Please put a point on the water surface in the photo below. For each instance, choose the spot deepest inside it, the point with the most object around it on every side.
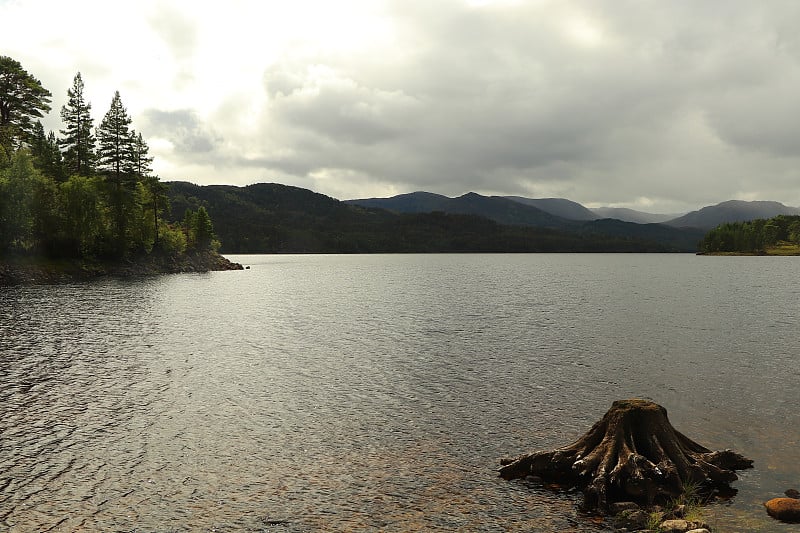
(378, 392)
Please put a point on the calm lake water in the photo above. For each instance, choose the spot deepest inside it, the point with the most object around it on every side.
(378, 392)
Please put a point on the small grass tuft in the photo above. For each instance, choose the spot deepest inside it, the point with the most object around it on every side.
(654, 520)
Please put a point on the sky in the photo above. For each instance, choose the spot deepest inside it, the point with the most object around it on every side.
(662, 106)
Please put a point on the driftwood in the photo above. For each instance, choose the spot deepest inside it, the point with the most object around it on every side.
(632, 454)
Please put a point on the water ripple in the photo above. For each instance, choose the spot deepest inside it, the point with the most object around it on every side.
(377, 393)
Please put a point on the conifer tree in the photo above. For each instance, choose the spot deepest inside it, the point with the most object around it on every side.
(142, 161)
(159, 201)
(203, 229)
(46, 154)
(78, 142)
(115, 148)
(22, 99)
(115, 153)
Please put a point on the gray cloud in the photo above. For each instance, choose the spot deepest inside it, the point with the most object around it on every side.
(183, 128)
(175, 29)
(669, 105)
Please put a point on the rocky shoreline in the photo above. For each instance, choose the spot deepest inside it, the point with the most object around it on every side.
(24, 271)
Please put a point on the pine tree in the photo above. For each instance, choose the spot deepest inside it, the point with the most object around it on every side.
(159, 202)
(142, 162)
(115, 153)
(203, 229)
(115, 149)
(22, 99)
(78, 142)
(46, 154)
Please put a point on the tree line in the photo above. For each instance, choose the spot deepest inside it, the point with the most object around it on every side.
(89, 193)
(752, 236)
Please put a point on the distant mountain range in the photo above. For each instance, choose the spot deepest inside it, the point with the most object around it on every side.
(274, 218)
(705, 218)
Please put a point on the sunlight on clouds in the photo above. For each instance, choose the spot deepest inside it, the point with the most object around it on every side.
(583, 32)
(493, 3)
(341, 182)
(587, 100)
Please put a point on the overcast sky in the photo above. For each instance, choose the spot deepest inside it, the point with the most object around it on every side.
(662, 106)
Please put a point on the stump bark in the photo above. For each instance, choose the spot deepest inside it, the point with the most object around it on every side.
(632, 454)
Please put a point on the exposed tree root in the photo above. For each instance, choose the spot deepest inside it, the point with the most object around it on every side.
(632, 454)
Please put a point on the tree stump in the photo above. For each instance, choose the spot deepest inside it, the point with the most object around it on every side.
(632, 454)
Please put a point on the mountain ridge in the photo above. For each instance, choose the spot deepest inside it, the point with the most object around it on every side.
(705, 218)
(275, 218)
(712, 216)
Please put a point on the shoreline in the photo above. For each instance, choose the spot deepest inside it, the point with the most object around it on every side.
(37, 270)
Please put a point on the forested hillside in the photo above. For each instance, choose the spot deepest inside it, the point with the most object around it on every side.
(779, 235)
(273, 218)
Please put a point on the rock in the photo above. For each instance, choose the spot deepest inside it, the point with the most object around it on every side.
(618, 507)
(784, 509)
(674, 526)
(679, 511)
(792, 493)
(632, 519)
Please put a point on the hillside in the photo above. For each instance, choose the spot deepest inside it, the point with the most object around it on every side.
(273, 218)
(521, 211)
(413, 202)
(497, 208)
(731, 211)
(560, 207)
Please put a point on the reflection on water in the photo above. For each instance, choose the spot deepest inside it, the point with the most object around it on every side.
(378, 392)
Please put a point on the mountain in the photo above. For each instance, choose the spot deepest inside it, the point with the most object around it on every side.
(631, 215)
(413, 202)
(731, 211)
(684, 239)
(497, 208)
(274, 218)
(559, 207)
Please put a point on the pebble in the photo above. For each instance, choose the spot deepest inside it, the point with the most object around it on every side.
(784, 509)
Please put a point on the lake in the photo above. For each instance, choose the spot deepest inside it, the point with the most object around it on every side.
(378, 392)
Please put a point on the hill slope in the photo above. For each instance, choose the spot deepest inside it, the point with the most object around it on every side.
(560, 207)
(731, 211)
(273, 218)
(497, 208)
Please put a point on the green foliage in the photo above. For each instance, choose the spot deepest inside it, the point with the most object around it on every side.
(110, 214)
(84, 216)
(203, 229)
(753, 236)
(22, 100)
(17, 193)
(172, 240)
(46, 154)
(142, 162)
(689, 500)
(78, 142)
(115, 149)
(654, 519)
(199, 230)
(116, 160)
(273, 218)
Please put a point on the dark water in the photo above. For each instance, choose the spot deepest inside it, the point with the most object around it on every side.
(378, 392)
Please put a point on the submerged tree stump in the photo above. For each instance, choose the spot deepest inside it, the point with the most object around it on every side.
(632, 454)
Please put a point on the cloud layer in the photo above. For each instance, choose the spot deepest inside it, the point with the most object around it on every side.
(663, 106)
